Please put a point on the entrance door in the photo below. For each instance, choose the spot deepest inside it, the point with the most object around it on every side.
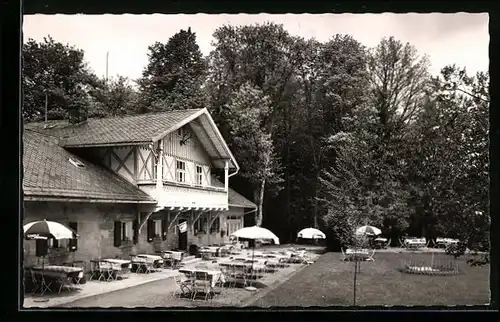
(183, 237)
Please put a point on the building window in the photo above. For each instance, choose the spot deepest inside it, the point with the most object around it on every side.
(215, 228)
(180, 171)
(157, 228)
(127, 231)
(199, 175)
(201, 225)
(180, 131)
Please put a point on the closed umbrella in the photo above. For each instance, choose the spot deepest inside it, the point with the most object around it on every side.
(254, 233)
(311, 233)
(368, 230)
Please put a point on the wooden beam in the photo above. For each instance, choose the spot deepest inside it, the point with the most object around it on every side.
(175, 218)
(199, 215)
(159, 165)
(143, 221)
(213, 219)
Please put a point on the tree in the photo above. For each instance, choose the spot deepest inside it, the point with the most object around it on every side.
(254, 146)
(55, 75)
(174, 75)
(398, 78)
(453, 144)
(118, 97)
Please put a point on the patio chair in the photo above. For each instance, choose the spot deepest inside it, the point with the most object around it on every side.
(386, 245)
(184, 285)
(402, 243)
(105, 271)
(344, 256)
(81, 264)
(34, 281)
(45, 284)
(228, 277)
(202, 284)
(370, 256)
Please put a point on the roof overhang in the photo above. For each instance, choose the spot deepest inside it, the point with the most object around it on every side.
(210, 137)
(89, 200)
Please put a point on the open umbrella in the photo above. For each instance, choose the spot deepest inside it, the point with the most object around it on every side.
(368, 230)
(311, 233)
(47, 229)
(254, 233)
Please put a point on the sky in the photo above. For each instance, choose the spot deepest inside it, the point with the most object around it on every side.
(460, 38)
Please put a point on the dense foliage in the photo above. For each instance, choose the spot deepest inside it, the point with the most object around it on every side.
(332, 135)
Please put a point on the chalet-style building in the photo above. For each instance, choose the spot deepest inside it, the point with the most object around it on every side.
(126, 183)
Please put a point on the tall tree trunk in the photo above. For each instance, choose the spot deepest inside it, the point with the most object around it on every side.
(315, 201)
(259, 198)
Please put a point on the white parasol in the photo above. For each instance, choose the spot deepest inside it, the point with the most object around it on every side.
(311, 233)
(368, 230)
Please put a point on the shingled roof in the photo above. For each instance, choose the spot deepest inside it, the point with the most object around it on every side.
(48, 172)
(132, 129)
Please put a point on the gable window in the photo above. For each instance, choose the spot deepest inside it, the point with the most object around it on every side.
(199, 175)
(180, 171)
(180, 131)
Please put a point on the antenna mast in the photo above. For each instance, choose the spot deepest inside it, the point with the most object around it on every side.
(107, 56)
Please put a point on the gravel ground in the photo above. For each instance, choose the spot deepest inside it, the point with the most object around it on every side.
(160, 294)
(329, 282)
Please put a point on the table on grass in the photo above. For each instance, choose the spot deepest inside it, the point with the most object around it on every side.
(362, 254)
(444, 242)
(415, 242)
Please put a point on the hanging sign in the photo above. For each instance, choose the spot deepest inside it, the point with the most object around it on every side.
(182, 227)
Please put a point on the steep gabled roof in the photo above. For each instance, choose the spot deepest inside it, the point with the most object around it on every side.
(140, 129)
(48, 172)
(131, 129)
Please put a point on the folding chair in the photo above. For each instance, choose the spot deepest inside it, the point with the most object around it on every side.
(34, 281)
(344, 256)
(370, 256)
(402, 243)
(105, 271)
(202, 284)
(81, 264)
(149, 266)
(184, 285)
(387, 244)
(44, 285)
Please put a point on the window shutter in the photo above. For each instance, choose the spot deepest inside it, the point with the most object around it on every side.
(164, 229)
(135, 228)
(118, 234)
(150, 229)
(73, 243)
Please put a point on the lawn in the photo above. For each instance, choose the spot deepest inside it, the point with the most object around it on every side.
(329, 282)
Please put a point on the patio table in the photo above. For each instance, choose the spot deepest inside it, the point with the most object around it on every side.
(59, 271)
(415, 242)
(118, 264)
(143, 258)
(446, 241)
(213, 274)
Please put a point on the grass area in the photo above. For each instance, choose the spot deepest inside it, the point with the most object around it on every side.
(329, 282)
